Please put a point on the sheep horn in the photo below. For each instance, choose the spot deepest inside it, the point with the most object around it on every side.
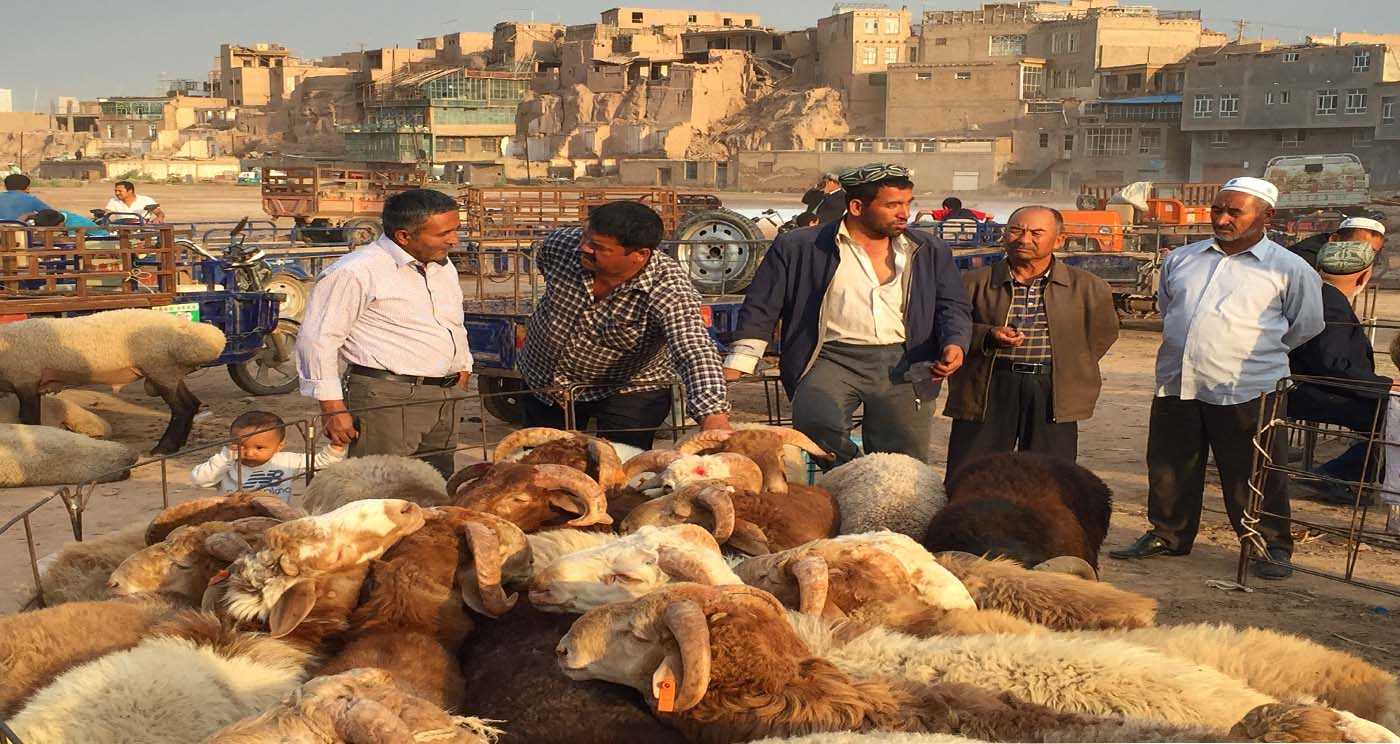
(1069, 564)
(605, 458)
(682, 566)
(277, 508)
(180, 514)
(585, 491)
(813, 582)
(717, 499)
(466, 476)
(703, 440)
(651, 461)
(526, 438)
(748, 538)
(744, 472)
(226, 546)
(794, 438)
(489, 599)
(687, 624)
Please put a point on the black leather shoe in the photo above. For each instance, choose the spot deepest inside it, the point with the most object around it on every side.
(1147, 546)
(1279, 569)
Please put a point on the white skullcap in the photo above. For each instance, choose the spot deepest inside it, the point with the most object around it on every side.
(1364, 223)
(1256, 187)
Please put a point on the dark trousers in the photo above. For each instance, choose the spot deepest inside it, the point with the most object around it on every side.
(846, 376)
(410, 431)
(1020, 416)
(630, 419)
(1178, 435)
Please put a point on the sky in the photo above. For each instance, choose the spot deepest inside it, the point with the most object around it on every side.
(127, 48)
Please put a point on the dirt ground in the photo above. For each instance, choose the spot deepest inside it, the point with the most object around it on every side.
(1112, 444)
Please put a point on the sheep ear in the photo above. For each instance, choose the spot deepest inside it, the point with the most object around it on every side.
(212, 597)
(291, 608)
(748, 538)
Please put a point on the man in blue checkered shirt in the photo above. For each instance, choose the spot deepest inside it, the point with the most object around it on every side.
(617, 322)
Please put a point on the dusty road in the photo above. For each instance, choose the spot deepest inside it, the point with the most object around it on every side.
(1112, 445)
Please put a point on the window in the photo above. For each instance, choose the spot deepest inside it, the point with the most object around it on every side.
(1057, 43)
(891, 55)
(1219, 139)
(150, 130)
(1356, 101)
(867, 55)
(1285, 97)
(1362, 138)
(891, 26)
(865, 146)
(1290, 140)
(777, 43)
(923, 76)
(109, 132)
(1326, 102)
(1149, 141)
(1104, 142)
(892, 146)
(833, 146)
(636, 17)
(928, 147)
(691, 19)
(1069, 143)
(748, 23)
(940, 41)
(962, 76)
(1134, 81)
(872, 26)
(1388, 109)
(1361, 62)
(1072, 42)
(1229, 106)
(1269, 98)
(727, 22)
(1032, 82)
(1290, 57)
(1010, 45)
(1044, 140)
(1072, 79)
(1202, 107)
(692, 170)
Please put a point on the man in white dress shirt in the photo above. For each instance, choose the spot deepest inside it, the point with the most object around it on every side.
(392, 311)
(1232, 308)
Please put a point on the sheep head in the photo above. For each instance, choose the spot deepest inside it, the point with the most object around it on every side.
(669, 633)
(500, 554)
(708, 503)
(829, 578)
(628, 568)
(590, 455)
(188, 558)
(1303, 722)
(762, 444)
(350, 535)
(650, 463)
(735, 469)
(534, 496)
(222, 508)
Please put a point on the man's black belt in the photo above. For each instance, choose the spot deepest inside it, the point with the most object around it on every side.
(1024, 368)
(381, 374)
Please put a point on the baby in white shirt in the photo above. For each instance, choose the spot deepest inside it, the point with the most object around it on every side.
(257, 462)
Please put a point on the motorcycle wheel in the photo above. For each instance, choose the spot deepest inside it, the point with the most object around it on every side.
(273, 370)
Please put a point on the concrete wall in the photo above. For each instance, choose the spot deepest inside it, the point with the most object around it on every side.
(22, 121)
(512, 42)
(929, 99)
(1388, 129)
(847, 43)
(792, 170)
(160, 170)
(967, 42)
(700, 174)
(642, 17)
(1247, 152)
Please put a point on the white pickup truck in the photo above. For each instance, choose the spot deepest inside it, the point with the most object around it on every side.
(1310, 182)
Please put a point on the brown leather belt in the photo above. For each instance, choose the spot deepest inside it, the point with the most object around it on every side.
(380, 374)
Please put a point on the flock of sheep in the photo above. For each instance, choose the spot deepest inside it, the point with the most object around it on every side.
(702, 594)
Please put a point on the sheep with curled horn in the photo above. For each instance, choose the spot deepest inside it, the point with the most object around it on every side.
(762, 444)
(747, 521)
(591, 455)
(535, 496)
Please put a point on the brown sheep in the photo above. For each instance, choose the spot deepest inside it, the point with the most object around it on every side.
(731, 668)
(761, 522)
(536, 496)
(411, 621)
(223, 508)
(80, 570)
(1027, 507)
(361, 705)
(590, 455)
(35, 647)
(181, 566)
(1057, 601)
(762, 444)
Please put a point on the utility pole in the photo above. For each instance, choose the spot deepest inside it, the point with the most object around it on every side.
(1240, 25)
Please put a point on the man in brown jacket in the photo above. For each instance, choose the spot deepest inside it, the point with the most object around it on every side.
(1039, 328)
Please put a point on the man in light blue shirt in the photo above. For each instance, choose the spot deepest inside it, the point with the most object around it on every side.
(16, 200)
(1232, 308)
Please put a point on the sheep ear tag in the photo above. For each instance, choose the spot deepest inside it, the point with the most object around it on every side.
(663, 686)
(291, 608)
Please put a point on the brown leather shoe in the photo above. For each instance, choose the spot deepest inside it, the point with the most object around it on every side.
(1147, 546)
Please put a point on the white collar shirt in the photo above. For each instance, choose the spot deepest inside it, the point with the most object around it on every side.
(138, 206)
(858, 309)
(379, 307)
(1228, 322)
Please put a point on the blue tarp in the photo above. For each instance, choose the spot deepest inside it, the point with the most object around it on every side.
(1168, 98)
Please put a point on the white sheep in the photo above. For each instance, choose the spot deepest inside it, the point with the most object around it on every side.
(79, 572)
(630, 567)
(57, 411)
(45, 456)
(168, 689)
(41, 355)
(550, 545)
(886, 491)
(374, 477)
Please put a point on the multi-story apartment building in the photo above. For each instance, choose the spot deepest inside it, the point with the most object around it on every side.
(857, 44)
(1242, 108)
